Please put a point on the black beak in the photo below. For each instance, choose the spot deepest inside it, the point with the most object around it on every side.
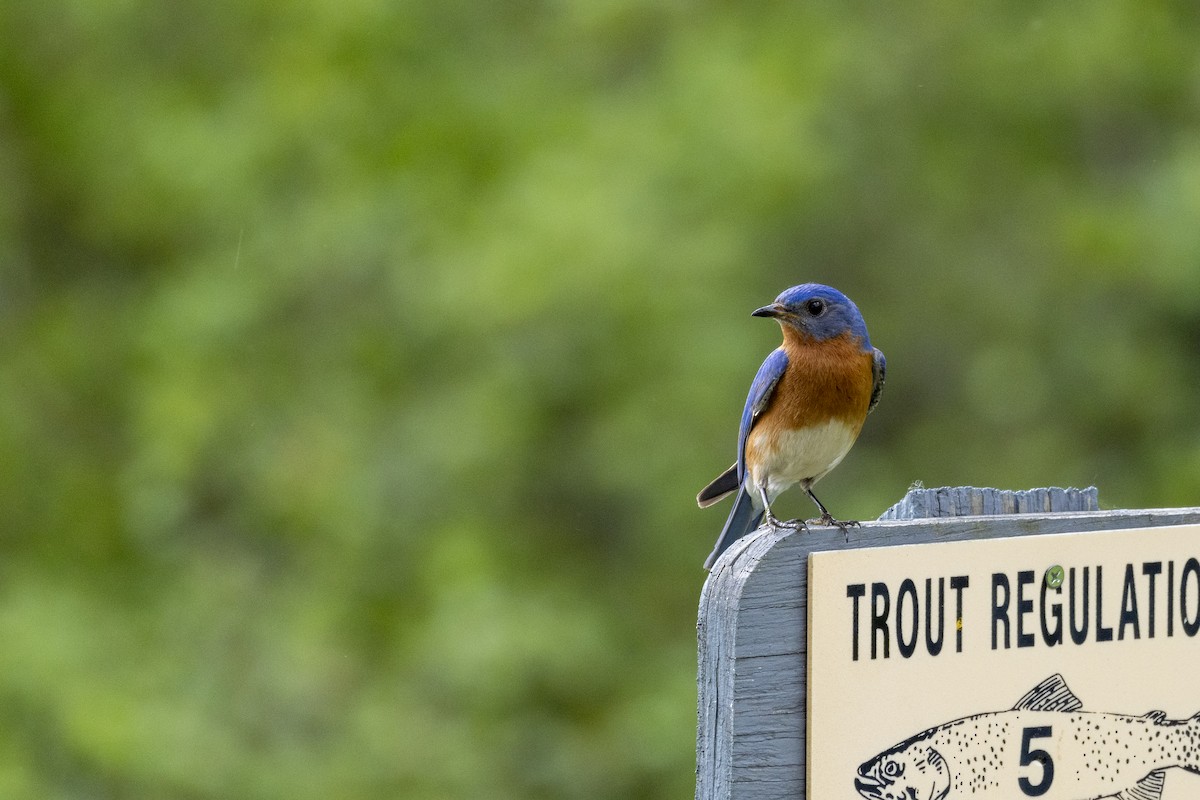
(773, 310)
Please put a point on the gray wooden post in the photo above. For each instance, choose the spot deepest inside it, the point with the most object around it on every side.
(752, 626)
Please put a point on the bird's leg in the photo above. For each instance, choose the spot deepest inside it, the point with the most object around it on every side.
(772, 520)
(826, 518)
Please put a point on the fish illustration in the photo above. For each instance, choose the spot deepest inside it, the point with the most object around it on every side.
(1046, 746)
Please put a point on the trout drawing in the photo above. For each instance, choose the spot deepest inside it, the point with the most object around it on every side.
(1046, 746)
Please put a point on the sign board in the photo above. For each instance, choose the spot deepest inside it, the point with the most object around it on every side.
(1061, 667)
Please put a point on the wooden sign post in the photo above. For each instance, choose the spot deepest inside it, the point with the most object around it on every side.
(884, 667)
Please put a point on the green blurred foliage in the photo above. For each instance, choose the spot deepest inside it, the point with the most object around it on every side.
(360, 361)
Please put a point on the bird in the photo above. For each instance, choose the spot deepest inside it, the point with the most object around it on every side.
(806, 407)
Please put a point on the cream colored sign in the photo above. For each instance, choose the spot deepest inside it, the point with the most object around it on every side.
(1060, 667)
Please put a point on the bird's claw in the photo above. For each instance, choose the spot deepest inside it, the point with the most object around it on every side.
(791, 524)
(828, 520)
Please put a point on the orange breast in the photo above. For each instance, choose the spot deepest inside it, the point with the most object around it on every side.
(824, 380)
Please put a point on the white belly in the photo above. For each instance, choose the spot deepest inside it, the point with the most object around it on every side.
(786, 458)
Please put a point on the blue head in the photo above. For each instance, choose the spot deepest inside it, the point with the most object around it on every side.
(817, 311)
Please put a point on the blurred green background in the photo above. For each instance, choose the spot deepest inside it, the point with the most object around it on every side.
(360, 361)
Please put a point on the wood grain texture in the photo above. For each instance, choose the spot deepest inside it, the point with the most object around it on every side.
(958, 501)
(752, 633)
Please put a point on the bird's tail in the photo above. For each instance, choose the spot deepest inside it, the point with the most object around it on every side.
(742, 519)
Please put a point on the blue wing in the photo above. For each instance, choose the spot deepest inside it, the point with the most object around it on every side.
(760, 394)
(879, 373)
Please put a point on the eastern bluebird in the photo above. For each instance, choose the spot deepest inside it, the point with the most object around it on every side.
(805, 408)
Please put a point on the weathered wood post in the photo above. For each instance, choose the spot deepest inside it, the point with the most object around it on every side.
(753, 621)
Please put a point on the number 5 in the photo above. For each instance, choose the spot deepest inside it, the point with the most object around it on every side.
(1040, 756)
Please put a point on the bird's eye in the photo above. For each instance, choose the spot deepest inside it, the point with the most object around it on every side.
(892, 769)
(815, 307)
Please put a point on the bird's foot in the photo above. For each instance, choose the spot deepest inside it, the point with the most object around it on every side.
(828, 520)
(790, 525)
